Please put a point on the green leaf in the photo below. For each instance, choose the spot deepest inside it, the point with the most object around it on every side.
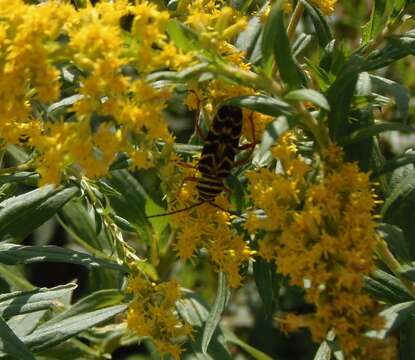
(49, 335)
(215, 313)
(310, 95)
(393, 164)
(397, 47)
(20, 215)
(322, 28)
(195, 312)
(192, 72)
(340, 95)
(327, 348)
(377, 21)
(97, 300)
(122, 161)
(399, 195)
(399, 208)
(12, 345)
(131, 202)
(58, 108)
(238, 192)
(387, 288)
(408, 271)
(275, 43)
(395, 239)
(24, 324)
(22, 302)
(323, 352)
(248, 38)
(81, 225)
(182, 36)
(14, 277)
(11, 254)
(24, 177)
(263, 104)
(398, 91)
(301, 44)
(399, 8)
(267, 283)
(255, 353)
(273, 131)
(372, 130)
(394, 317)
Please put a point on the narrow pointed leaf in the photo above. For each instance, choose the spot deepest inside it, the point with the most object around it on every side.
(396, 241)
(275, 42)
(272, 133)
(216, 312)
(247, 39)
(95, 301)
(309, 95)
(22, 302)
(377, 20)
(263, 104)
(323, 352)
(49, 335)
(398, 91)
(340, 95)
(131, 202)
(11, 345)
(267, 284)
(183, 37)
(24, 324)
(12, 254)
(394, 316)
(386, 287)
(393, 164)
(255, 353)
(81, 224)
(321, 26)
(196, 313)
(373, 130)
(20, 215)
(397, 47)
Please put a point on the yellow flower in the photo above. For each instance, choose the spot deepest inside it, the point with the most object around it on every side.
(324, 242)
(326, 6)
(152, 313)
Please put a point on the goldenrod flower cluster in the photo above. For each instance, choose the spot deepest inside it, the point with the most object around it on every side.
(320, 231)
(152, 314)
(209, 228)
(40, 45)
(214, 21)
(326, 6)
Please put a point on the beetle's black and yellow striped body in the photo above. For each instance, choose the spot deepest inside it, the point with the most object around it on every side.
(219, 150)
(218, 156)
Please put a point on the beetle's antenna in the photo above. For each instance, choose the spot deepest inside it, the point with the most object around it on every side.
(193, 206)
(177, 211)
(235, 213)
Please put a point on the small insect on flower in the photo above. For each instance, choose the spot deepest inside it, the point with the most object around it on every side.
(218, 156)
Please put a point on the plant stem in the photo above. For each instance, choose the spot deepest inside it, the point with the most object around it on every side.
(295, 18)
(388, 30)
(12, 169)
(248, 78)
(319, 132)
